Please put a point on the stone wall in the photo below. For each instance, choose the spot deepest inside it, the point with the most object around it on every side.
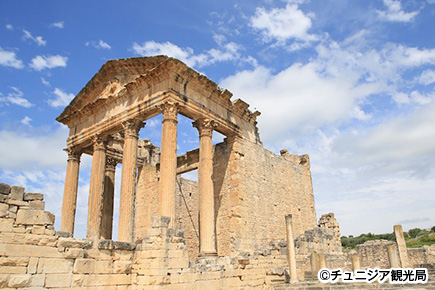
(34, 256)
(254, 189)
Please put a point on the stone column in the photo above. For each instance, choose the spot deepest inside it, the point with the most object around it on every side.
(128, 180)
(291, 253)
(322, 261)
(207, 236)
(314, 261)
(109, 190)
(96, 188)
(168, 161)
(392, 256)
(401, 244)
(70, 192)
(356, 263)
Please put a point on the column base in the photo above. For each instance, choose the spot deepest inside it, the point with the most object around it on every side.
(207, 254)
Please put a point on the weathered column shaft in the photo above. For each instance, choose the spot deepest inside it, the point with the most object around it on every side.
(401, 244)
(96, 189)
(108, 198)
(314, 261)
(393, 257)
(291, 253)
(207, 236)
(128, 181)
(70, 192)
(168, 162)
(356, 263)
(322, 261)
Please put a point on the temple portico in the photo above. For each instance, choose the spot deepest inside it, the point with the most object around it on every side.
(105, 119)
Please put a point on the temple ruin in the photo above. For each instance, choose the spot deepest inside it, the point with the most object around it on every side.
(248, 222)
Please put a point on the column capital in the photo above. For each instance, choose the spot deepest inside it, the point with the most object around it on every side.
(100, 142)
(205, 126)
(74, 153)
(111, 164)
(170, 111)
(132, 127)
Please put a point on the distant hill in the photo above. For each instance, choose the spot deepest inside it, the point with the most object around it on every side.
(414, 238)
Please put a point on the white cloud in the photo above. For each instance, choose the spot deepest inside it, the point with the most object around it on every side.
(427, 77)
(225, 52)
(26, 121)
(99, 45)
(59, 24)
(289, 23)
(16, 98)
(43, 151)
(38, 39)
(9, 27)
(8, 58)
(45, 82)
(62, 99)
(41, 62)
(394, 12)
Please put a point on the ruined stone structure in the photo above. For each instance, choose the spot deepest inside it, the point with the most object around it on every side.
(248, 222)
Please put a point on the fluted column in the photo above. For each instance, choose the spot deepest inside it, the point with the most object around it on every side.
(96, 188)
(128, 180)
(70, 192)
(207, 236)
(109, 190)
(168, 161)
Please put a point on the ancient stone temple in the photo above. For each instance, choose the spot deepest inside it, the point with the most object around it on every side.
(248, 222)
(242, 191)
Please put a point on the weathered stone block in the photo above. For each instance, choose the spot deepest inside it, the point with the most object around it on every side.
(160, 222)
(6, 225)
(37, 204)
(13, 270)
(37, 280)
(34, 217)
(17, 192)
(33, 196)
(63, 234)
(14, 261)
(4, 279)
(29, 251)
(19, 280)
(84, 266)
(5, 188)
(54, 266)
(74, 243)
(33, 265)
(58, 280)
(4, 208)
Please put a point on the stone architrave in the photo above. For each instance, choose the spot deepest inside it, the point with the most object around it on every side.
(128, 180)
(356, 263)
(401, 244)
(96, 188)
(70, 192)
(392, 256)
(207, 235)
(291, 253)
(108, 198)
(168, 161)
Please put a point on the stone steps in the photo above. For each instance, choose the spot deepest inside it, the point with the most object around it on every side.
(342, 286)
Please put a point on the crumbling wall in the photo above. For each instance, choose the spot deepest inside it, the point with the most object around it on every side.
(374, 254)
(262, 189)
(34, 256)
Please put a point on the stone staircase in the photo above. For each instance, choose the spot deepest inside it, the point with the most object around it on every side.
(313, 284)
(344, 286)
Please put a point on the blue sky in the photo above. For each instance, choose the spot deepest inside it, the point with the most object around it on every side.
(349, 82)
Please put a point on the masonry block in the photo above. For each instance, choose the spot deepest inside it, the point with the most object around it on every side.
(34, 217)
(17, 192)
